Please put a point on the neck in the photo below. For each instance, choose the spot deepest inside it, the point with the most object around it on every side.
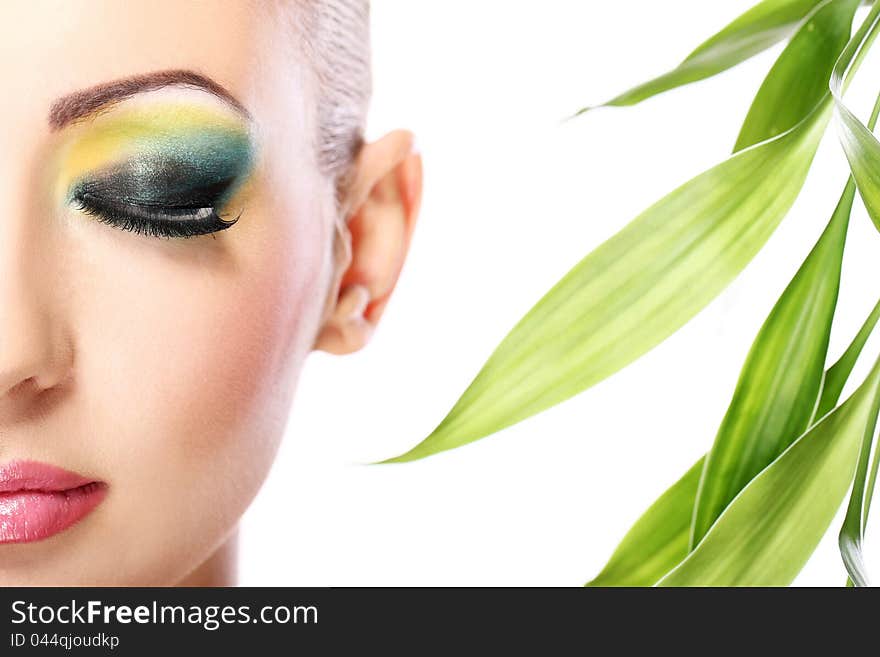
(220, 569)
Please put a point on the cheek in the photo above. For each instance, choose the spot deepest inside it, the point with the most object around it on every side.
(190, 353)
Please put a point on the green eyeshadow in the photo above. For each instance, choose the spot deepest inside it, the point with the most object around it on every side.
(195, 169)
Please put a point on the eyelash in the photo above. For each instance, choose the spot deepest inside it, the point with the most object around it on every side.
(154, 221)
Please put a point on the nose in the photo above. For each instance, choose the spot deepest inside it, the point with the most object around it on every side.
(34, 354)
(31, 355)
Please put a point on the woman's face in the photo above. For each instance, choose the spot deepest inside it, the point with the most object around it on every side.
(160, 366)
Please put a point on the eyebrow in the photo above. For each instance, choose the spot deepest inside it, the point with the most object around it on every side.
(80, 104)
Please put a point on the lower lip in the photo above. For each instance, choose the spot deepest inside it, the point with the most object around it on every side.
(32, 515)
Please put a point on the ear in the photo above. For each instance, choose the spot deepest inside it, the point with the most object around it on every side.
(380, 211)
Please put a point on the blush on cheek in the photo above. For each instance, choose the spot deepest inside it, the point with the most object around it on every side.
(205, 358)
(233, 347)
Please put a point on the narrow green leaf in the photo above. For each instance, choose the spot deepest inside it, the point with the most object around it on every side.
(859, 143)
(780, 381)
(832, 386)
(640, 560)
(635, 290)
(852, 531)
(838, 374)
(756, 30)
(765, 536)
(792, 336)
(787, 96)
(648, 280)
(658, 541)
(851, 546)
(863, 153)
(851, 536)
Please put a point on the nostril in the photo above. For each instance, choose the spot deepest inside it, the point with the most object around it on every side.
(33, 385)
(30, 401)
(42, 367)
(26, 385)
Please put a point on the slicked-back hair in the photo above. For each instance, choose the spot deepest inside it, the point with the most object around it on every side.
(335, 36)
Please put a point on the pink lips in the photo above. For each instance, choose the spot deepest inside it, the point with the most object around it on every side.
(39, 500)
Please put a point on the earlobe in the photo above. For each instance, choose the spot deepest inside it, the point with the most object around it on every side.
(384, 203)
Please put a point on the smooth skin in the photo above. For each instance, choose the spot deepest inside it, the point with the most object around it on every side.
(166, 368)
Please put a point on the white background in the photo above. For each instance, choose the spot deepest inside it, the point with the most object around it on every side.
(513, 199)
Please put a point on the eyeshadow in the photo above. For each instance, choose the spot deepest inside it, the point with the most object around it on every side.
(193, 171)
(163, 154)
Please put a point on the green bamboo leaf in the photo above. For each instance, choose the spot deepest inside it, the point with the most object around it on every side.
(852, 531)
(836, 377)
(765, 536)
(863, 153)
(859, 143)
(648, 280)
(838, 374)
(833, 383)
(851, 549)
(761, 27)
(658, 541)
(635, 290)
(780, 381)
(787, 96)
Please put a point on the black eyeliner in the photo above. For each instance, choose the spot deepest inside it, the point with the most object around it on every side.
(166, 222)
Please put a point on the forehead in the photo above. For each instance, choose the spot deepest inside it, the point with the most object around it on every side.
(49, 49)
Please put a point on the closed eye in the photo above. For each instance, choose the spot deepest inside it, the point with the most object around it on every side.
(169, 221)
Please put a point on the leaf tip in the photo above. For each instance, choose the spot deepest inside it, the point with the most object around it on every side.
(580, 112)
(413, 454)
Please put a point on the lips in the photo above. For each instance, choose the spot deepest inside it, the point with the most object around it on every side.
(39, 500)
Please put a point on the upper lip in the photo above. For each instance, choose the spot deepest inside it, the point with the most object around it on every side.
(18, 476)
